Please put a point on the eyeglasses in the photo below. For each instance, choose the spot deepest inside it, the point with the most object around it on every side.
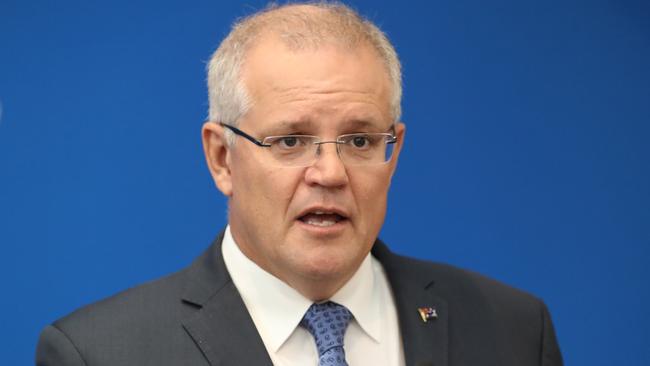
(366, 148)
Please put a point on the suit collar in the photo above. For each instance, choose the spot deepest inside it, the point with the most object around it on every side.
(206, 276)
(221, 326)
(425, 343)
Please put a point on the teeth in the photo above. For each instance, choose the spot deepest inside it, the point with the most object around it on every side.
(321, 218)
(319, 222)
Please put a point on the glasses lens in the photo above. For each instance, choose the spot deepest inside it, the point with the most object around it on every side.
(366, 148)
(292, 150)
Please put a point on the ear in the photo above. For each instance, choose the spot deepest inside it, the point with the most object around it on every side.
(400, 132)
(217, 155)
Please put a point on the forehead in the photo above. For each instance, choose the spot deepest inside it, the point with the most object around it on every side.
(331, 81)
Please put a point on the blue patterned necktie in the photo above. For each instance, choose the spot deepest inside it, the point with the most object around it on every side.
(327, 322)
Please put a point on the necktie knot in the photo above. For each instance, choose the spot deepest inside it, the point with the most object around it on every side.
(327, 323)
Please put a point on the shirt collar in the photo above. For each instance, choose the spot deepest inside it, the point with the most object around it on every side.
(277, 308)
(361, 296)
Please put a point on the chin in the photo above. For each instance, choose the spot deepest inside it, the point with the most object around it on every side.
(326, 268)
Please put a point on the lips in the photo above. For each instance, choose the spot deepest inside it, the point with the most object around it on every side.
(323, 217)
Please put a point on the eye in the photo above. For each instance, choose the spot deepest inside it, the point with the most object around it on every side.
(288, 141)
(291, 142)
(360, 141)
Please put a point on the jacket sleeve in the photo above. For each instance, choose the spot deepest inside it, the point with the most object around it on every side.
(550, 355)
(56, 349)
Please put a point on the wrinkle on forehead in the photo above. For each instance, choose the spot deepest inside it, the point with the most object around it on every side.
(311, 89)
(329, 96)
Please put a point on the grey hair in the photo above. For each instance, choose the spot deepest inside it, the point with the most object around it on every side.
(299, 26)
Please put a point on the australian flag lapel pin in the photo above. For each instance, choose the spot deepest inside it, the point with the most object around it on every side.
(428, 313)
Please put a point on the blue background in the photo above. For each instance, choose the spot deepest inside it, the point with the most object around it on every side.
(526, 155)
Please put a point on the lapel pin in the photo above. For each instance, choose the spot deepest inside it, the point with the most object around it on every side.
(428, 313)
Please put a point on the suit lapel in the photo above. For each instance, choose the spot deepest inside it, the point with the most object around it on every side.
(221, 326)
(425, 343)
(225, 333)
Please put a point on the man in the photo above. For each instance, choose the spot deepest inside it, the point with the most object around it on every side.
(303, 139)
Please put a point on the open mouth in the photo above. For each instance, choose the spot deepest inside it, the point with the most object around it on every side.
(322, 218)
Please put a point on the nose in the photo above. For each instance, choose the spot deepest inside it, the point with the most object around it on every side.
(328, 169)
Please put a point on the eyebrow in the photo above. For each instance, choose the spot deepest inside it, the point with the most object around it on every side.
(288, 125)
(302, 125)
(362, 124)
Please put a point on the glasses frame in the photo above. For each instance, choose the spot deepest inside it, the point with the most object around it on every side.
(260, 143)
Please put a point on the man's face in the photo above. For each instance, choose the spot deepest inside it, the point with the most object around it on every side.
(275, 212)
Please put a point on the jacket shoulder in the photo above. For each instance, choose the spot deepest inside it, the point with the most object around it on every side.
(453, 282)
(139, 304)
(484, 312)
(142, 325)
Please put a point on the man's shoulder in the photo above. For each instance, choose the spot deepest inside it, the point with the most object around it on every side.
(461, 285)
(143, 325)
(155, 303)
(487, 316)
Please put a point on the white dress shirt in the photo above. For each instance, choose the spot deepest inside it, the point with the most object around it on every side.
(372, 338)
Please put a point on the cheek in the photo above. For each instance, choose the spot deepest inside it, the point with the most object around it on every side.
(370, 192)
(267, 192)
(282, 183)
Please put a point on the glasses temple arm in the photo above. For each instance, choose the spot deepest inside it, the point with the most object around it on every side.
(243, 134)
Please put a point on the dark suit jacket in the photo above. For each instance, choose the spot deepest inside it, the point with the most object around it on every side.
(197, 317)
